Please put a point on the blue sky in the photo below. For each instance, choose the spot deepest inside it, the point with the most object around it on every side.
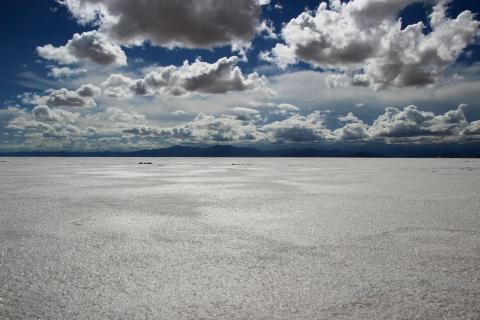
(77, 75)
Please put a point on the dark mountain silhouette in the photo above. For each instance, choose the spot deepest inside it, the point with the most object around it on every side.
(380, 150)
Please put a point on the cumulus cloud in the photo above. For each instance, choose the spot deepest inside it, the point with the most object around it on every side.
(46, 122)
(246, 114)
(287, 107)
(298, 128)
(203, 128)
(65, 72)
(55, 128)
(180, 113)
(215, 129)
(411, 123)
(282, 109)
(268, 29)
(116, 119)
(202, 77)
(89, 46)
(473, 128)
(82, 97)
(45, 114)
(187, 23)
(127, 128)
(365, 40)
(354, 129)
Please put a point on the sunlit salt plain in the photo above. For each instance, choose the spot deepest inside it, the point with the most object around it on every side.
(107, 238)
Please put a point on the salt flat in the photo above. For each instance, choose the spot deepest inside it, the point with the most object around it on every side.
(107, 238)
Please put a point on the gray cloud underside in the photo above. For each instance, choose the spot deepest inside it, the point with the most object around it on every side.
(89, 46)
(82, 97)
(186, 23)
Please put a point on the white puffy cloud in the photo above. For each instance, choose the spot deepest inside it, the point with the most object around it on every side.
(208, 128)
(288, 107)
(246, 114)
(82, 97)
(118, 86)
(350, 117)
(46, 127)
(298, 128)
(412, 123)
(115, 119)
(365, 40)
(203, 128)
(268, 29)
(180, 113)
(283, 109)
(46, 122)
(45, 114)
(186, 23)
(89, 46)
(125, 128)
(473, 128)
(65, 72)
(201, 77)
(88, 90)
(354, 129)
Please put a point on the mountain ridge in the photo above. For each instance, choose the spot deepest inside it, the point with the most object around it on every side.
(383, 151)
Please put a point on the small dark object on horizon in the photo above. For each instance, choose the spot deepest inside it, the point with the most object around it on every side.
(145, 163)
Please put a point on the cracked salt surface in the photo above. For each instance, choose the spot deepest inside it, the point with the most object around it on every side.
(85, 238)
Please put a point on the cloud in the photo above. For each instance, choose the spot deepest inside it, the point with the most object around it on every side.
(88, 90)
(119, 127)
(45, 114)
(201, 77)
(203, 128)
(179, 113)
(187, 23)
(412, 123)
(246, 114)
(473, 128)
(208, 128)
(298, 128)
(365, 40)
(350, 117)
(116, 119)
(82, 97)
(66, 98)
(89, 46)
(354, 129)
(118, 86)
(47, 122)
(287, 107)
(409, 125)
(65, 72)
(268, 29)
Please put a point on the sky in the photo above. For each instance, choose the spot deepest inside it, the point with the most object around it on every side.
(132, 75)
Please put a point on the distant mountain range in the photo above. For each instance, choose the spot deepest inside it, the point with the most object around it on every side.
(381, 150)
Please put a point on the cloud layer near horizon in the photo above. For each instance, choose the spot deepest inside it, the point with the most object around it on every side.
(272, 124)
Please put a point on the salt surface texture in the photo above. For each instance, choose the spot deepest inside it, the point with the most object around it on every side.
(239, 238)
